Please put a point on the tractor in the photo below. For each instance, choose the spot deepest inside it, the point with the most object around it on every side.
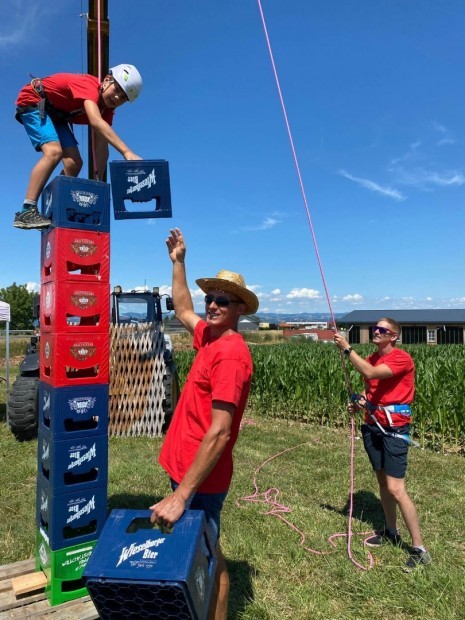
(126, 307)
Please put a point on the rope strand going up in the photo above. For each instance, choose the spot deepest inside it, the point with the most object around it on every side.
(320, 266)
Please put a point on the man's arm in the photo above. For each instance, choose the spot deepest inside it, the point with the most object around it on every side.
(182, 300)
(102, 129)
(382, 371)
(172, 507)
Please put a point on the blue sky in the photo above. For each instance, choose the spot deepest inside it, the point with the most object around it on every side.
(375, 96)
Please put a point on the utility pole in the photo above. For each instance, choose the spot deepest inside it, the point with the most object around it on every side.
(97, 50)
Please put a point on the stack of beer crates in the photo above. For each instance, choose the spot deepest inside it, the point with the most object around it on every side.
(74, 380)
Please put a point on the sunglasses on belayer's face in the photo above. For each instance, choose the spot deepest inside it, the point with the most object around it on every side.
(221, 302)
(382, 330)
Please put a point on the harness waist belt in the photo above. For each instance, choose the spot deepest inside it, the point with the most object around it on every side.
(402, 409)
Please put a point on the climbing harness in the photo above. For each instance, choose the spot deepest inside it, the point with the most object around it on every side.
(44, 106)
(363, 402)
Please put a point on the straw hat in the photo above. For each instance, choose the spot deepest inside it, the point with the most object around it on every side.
(231, 282)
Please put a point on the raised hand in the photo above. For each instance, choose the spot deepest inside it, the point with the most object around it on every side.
(176, 245)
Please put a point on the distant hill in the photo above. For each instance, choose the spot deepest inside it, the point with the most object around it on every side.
(273, 317)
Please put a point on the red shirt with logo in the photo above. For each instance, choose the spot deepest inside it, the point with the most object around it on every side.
(222, 370)
(67, 92)
(396, 390)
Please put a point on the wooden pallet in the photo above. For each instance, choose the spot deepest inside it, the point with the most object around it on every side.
(32, 602)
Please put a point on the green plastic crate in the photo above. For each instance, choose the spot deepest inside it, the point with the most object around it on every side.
(63, 569)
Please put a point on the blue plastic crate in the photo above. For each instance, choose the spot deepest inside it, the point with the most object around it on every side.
(73, 464)
(145, 181)
(71, 202)
(68, 519)
(137, 571)
(77, 411)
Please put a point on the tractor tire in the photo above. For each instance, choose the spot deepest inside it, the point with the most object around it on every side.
(171, 385)
(23, 408)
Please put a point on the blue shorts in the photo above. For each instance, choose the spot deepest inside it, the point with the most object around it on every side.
(385, 452)
(44, 130)
(211, 504)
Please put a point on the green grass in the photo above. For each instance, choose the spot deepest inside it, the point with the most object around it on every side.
(272, 575)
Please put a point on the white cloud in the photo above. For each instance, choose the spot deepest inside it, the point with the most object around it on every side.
(424, 178)
(276, 291)
(354, 299)
(445, 133)
(267, 224)
(197, 294)
(410, 154)
(374, 187)
(439, 127)
(33, 287)
(22, 22)
(303, 293)
(141, 288)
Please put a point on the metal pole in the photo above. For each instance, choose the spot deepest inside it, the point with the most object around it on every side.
(93, 68)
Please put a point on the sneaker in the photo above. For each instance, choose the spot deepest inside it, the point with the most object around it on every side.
(31, 218)
(381, 537)
(417, 558)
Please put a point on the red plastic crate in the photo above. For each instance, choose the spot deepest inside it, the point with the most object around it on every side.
(74, 359)
(75, 307)
(75, 255)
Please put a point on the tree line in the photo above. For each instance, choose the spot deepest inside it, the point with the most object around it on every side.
(21, 303)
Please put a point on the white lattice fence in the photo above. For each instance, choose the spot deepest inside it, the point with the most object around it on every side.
(137, 368)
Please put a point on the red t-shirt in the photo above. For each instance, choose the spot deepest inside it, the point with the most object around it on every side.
(397, 390)
(222, 370)
(67, 92)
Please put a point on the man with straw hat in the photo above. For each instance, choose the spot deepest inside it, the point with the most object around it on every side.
(197, 451)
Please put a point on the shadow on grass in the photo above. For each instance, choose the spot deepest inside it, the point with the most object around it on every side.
(366, 508)
(2, 412)
(241, 590)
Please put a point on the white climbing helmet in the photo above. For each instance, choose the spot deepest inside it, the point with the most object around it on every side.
(129, 78)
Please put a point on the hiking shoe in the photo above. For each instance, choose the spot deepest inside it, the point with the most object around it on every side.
(381, 537)
(417, 558)
(31, 218)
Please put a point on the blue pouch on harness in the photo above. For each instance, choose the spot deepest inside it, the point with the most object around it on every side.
(402, 409)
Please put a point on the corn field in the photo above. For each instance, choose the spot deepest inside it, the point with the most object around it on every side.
(305, 382)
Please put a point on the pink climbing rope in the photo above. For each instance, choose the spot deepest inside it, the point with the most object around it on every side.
(99, 76)
(278, 509)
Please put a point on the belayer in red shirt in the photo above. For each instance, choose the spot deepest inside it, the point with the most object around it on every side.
(47, 107)
(389, 376)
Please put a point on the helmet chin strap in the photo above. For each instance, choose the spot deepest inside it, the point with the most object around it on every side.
(108, 81)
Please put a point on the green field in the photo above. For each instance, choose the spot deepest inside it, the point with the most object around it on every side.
(282, 447)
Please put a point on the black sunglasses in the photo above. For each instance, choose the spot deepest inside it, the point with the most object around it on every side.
(381, 330)
(221, 302)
